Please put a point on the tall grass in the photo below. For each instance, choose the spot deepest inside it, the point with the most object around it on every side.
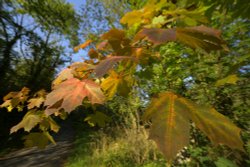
(124, 143)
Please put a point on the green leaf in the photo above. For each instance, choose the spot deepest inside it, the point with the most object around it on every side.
(36, 139)
(231, 79)
(98, 118)
(223, 162)
(158, 20)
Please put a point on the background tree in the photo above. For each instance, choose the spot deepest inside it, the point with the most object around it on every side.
(31, 50)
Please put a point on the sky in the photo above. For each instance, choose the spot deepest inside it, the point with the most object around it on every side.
(79, 55)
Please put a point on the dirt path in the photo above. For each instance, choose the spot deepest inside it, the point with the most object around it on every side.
(51, 156)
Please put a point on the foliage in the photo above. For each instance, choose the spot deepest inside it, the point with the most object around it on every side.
(146, 52)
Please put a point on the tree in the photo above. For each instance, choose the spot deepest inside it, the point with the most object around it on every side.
(30, 50)
(161, 39)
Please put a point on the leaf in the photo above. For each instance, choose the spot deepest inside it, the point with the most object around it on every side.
(170, 124)
(223, 162)
(157, 35)
(132, 17)
(36, 139)
(218, 128)
(62, 76)
(7, 104)
(231, 79)
(82, 46)
(98, 118)
(158, 20)
(170, 115)
(117, 40)
(201, 37)
(51, 139)
(35, 102)
(53, 125)
(114, 35)
(13, 99)
(105, 65)
(196, 37)
(71, 93)
(81, 69)
(29, 121)
(93, 54)
(116, 83)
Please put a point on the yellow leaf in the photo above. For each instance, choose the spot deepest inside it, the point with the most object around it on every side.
(231, 79)
(53, 125)
(132, 17)
(29, 121)
(116, 83)
(35, 102)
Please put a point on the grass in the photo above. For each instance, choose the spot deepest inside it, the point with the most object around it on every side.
(124, 148)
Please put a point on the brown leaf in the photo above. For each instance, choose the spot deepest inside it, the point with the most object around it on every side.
(201, 37)
(170, 124)
(157, 35)
(196, 37)
(218, 128)
(105, 65)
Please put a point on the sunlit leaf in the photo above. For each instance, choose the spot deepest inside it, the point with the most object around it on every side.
(29, 121)
(62, 76)
(231, 79)
(13, 99)
(71, 93)
(35, 102)
(132, 17)
(82, 46)
(116, 83)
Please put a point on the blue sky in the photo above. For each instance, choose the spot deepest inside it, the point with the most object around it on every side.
(81, 54)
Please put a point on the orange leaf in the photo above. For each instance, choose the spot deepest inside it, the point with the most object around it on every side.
(82, 46)
(71, 94)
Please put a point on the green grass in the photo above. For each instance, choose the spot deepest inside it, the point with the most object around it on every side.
(127, 148)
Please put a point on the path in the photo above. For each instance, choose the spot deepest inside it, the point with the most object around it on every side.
(51, 156)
